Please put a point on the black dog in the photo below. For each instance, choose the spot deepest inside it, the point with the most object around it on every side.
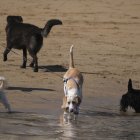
(131, 99)
(26, 37)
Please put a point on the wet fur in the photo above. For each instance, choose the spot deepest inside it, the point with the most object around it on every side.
(130, 99)
(73, 81)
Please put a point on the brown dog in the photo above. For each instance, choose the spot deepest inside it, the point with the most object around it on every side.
(73, 81)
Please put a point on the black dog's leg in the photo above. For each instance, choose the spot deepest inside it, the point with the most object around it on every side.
(35, 62)
(32, 63)
(24, 58)
(123, 109)
(7, 50)
(124, 103)
(137, 111)
(34, 46)
(35, 59)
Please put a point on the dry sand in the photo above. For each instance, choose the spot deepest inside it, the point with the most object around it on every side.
(106, 37)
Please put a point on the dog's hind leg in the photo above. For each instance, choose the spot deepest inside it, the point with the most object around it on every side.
(35, 59)
(35, 45)
(34, 62)
(24, 58)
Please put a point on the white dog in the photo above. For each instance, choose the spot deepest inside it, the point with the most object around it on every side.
(73, 81)
(3, 98)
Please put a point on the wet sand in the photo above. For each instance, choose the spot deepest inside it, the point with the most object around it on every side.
(106, 42)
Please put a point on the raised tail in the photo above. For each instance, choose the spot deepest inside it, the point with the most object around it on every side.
(71, 64)
(130, 85)
(49, 25)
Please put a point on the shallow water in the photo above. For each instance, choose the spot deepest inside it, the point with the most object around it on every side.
(97, 125)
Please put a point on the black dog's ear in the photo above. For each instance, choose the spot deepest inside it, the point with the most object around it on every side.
(11, 19)
(130, 85)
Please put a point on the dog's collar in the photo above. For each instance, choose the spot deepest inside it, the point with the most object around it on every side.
(65, 80)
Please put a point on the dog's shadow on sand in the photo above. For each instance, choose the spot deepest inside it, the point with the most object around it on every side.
(49, 68)
(28, 89)
(53, 68)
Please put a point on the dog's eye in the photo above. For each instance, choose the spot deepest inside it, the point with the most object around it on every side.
(68, 102)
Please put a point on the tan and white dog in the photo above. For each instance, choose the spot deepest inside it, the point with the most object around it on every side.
(73, 81)
(3, 98)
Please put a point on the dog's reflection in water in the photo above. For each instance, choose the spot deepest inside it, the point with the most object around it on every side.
(68, 126)
(69, 122)
(69, 117)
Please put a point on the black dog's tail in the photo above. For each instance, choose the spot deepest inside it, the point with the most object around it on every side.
(49, 25)
(130, 88)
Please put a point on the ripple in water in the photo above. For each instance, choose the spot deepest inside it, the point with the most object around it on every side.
(90, 125)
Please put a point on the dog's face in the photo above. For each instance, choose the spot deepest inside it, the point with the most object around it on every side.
(71, 104)
(11, 19)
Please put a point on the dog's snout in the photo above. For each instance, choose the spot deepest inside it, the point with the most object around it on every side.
(71, 110)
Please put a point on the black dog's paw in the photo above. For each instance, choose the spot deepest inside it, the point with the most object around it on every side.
(23, 66)
(31, 65)
(4, 58)
(35, 69)
(123, 110)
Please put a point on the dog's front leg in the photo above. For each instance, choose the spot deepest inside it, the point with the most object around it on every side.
(7, 50)
(24, 58)
(34, 61)
(65, 117)
(32, 64)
